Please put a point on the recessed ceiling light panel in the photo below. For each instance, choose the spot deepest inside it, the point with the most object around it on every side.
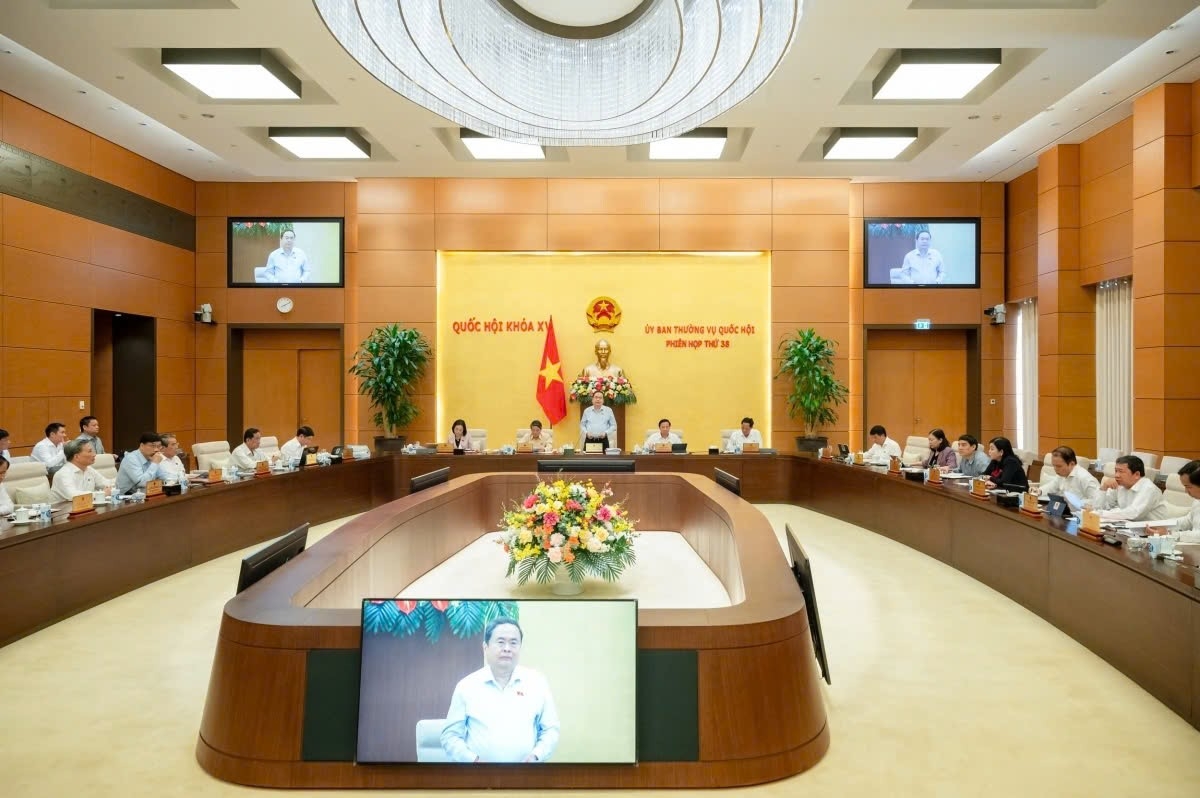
(701, 144)
(321, 142)
(934, 74)
(233, 74)
(868, 143)
(486, 148)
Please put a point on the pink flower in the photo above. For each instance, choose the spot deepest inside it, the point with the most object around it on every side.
(604, 512)
(530, 501)
(550, 519)
(573, 505)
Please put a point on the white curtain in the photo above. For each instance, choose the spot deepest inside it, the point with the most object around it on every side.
(1114, 365)
(1027, 375)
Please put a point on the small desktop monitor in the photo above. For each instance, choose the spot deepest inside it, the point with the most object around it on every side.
(286, 252)
(272, 556)
(428, 480)
(579, 465)
(428, 671)
(728, 481)
(921, 253)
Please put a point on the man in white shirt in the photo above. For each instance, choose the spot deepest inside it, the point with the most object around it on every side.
(663, 436)
(502, 712)
(1067, 476)
(244, 457)
(77, 475)
(740, 437)
(883, 448)
(1130, 496)
(288, 264)
(89, 430)
(597, 423)
(170, 465)
(294, 449)
(1188, 527)
(141, 465)
(923, 265)
(49, 450)
(538, 438)
(6, 504)
(4, 445)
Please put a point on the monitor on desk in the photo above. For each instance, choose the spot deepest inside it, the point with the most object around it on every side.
(272, 556)
(576, 465)
(428, 480)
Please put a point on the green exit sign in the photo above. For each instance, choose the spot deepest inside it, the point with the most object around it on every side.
(923, 324)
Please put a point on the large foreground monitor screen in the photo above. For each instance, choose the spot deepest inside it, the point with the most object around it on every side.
(930, 253)
(498, 682)
(285, 252)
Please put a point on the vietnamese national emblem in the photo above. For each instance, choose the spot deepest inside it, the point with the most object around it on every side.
(603, 314)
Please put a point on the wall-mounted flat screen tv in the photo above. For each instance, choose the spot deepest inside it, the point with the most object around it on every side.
(923, 253)
(295, 252)
(482, 682)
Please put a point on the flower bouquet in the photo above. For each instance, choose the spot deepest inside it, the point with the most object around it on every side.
(616, 390)
(567, 526)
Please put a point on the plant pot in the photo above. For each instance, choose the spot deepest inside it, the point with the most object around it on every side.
(562, 584)
(383, 444)
(811, 446)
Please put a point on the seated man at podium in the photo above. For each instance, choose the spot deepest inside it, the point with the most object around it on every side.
(663, 436)
(537, 437)
(740, 437)
(598, 424)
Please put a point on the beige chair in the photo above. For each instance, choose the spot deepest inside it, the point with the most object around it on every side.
(1175, 493)
(429, 740)
(1107, 455)
(1026, 457)
(916, 450)
(478, 438)
(1171, 465)
(1151, 460)
(726, 434)
(211, 454)
(1110, 470)
(106, 465)
(269, 446)
(27, 483)
(21, 459)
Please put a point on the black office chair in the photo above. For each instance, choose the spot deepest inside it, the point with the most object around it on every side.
(802, 570)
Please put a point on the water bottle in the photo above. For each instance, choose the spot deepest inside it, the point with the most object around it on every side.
(183, 485)
(44, 512)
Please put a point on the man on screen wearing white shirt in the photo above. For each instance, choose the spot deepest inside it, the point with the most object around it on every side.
(740, 437)
(883, 448)
(923, 265)
(1068, 477)
(294, 449)
(502, 712)
(244, 457)
(77, 476)
(49, 450)
(1130, 496)
(288, 264)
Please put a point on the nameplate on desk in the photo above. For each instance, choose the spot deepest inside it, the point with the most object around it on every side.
(894, 466)
(593, 448)
(858, 458)
(347, 454)
(445, 448)
(749, 448)
(310, 459)
(665, 448)
(215, 475)
(262, 469)
(1089, 522)
(525, 448)
(1029, 504)
(154, 488)
(935, 476)
(825, 453)
(82, 504)
(979, 489)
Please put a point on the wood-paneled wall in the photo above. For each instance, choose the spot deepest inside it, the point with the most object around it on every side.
(1106, 204)
(55, 267)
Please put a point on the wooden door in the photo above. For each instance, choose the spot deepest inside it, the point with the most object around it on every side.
(321, 394)
(915, 381)
(270, 385)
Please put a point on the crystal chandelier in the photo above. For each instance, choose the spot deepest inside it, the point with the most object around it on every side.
(658, 71)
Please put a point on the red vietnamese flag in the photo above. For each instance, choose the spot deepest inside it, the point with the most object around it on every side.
(551, 392)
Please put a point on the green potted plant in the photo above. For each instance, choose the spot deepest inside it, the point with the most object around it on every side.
(388, 365)
(807, 359)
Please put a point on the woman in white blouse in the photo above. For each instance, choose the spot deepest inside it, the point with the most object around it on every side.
(459, 437)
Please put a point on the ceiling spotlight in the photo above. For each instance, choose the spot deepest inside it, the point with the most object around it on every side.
(208, 116)
(868, 143)
(973, 116)
(701, 144)
(321, 142)
(233, 74)
(927, 74)
(1170, 52)
(81, 91)
(486, 148)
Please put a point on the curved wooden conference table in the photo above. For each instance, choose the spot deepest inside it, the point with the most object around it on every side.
(1141, 615)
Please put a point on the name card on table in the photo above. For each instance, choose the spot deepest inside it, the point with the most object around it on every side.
(347, 453)
(82, 504)
(979, 488)
(1089, 524)
(525, 448)
(894, 466)
(310, 459)
(858, 458)
(1029, 504)
(154, 488)
(262, 469)
(593, 447)
(749, 448)
(662, 448)
(935, 476)
(445, 448)
(215, 475)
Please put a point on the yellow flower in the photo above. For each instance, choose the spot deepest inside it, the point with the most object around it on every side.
(601, 535)
(525, 536)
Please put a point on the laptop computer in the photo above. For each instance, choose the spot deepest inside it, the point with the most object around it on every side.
(678, 448)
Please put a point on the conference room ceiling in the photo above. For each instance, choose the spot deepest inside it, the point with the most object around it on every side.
(1072, 67)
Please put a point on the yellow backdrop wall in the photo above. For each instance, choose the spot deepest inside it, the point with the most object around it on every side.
(694, 338)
